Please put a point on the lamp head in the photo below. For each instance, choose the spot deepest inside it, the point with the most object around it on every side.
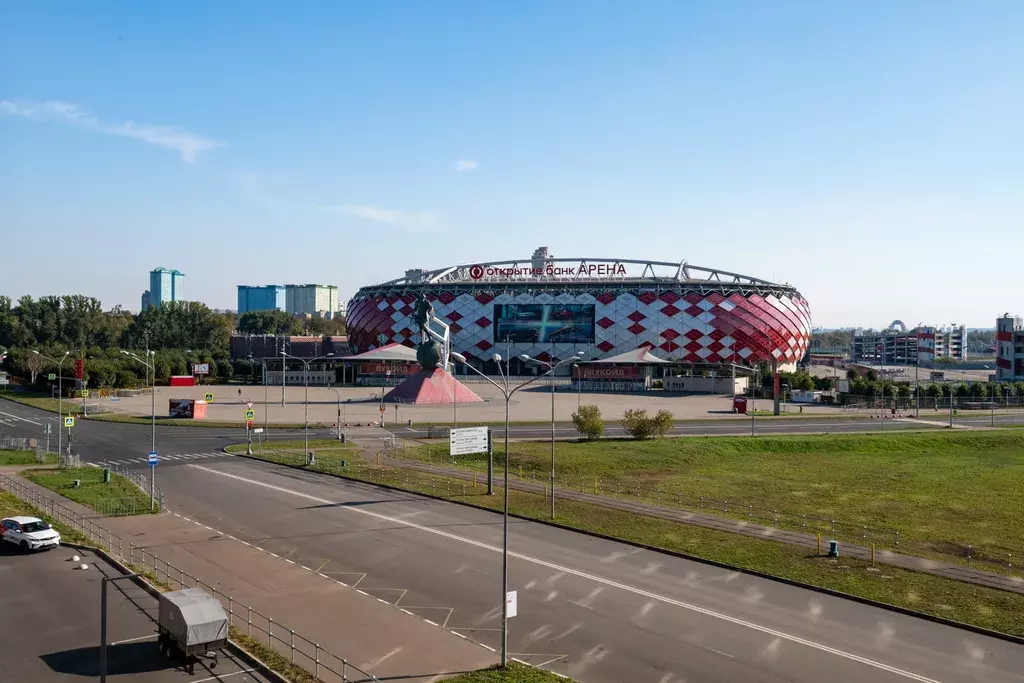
(496, 358)
(524, 357)
(458, 356)
(35, 352)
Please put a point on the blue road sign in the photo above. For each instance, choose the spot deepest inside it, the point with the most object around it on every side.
(152, 459)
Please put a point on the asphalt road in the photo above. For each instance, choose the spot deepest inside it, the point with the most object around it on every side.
(50, 626)
(596, 610)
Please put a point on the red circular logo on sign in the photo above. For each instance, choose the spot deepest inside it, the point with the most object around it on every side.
(476, 272)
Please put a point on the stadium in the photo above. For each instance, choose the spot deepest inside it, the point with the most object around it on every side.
(552, 308)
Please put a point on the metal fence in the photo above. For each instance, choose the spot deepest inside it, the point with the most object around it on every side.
(297, 649)
(18, 443)
(139, 479)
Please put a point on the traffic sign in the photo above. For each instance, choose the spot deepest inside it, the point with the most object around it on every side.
(209, 398)
(69, 422)
(84, 393)
(250, 414)
(467, 440)
(248, 424)
(51, 377)
(511, 604)
(258, 430)
(153, 459)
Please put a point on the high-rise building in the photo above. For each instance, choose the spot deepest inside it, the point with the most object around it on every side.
(311, 299)
(261, 298)
(145, 300)
(165, 285)
(897, 345)
(1009, 349)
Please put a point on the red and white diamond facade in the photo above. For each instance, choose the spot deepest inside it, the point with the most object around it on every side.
(684, 313)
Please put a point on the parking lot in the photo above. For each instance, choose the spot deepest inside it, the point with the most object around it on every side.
(50, 628)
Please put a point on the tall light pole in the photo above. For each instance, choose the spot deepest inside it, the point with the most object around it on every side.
(506, 390)
(152, 393)
(338, 393)
(551, 371)
(60, 392)
(266, 396)
(305, 407)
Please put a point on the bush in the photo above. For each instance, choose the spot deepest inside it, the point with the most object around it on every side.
(126, 380)
(663, 422)
(588, 422)
(638, 424)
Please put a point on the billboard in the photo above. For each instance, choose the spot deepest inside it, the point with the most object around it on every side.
(200, 368)
(544, 323)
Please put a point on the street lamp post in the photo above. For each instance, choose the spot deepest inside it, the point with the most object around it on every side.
(338, 418)
(266, 396)
(551, 371)
(507, 391)
(305, 407)
(60, 393)
(152, 394)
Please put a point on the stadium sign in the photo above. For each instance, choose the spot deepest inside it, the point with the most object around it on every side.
(589, 270)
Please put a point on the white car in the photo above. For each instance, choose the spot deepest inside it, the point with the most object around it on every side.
(30, 533)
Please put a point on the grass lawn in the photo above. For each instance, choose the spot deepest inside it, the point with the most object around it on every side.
(940, 490)
(329, 453)
(513, 673)
(986, 607)
(12, 506)
(119, 497)
(24, 458)
(44, 402)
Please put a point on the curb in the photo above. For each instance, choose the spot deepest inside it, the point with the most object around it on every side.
(1019, 640)
(145, 585)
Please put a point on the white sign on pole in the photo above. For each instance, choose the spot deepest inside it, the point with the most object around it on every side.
(467, 440)
(200, 368)
(258, 430)
(153, 459)
(512, 604)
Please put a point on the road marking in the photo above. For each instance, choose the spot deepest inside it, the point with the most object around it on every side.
(222, 676)
(591, 577)
(133, 640)
(23, 419)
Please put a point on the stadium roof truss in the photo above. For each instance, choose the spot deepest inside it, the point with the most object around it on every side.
(626, 274)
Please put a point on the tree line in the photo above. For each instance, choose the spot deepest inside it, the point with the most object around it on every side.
(180, 333)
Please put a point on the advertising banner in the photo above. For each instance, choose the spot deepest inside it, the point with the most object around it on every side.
(200, 368)
(611, 372)
(387, 368)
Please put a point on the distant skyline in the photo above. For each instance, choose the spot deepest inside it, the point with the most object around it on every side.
(868, 154)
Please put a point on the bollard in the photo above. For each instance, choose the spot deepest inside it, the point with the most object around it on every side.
(819, 543)
(872, 554)
(474, 479)
(833, 548)
(595, 487)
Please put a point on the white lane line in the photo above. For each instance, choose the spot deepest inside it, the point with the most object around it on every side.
(133, 640)
(23, 419)
(219, 677)
(591, 577)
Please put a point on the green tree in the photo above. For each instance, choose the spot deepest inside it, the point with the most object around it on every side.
(588, 422)
(266, 322)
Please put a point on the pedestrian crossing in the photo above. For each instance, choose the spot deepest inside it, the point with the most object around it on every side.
(165, 459)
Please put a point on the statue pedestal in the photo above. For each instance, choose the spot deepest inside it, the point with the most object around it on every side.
(432, 387)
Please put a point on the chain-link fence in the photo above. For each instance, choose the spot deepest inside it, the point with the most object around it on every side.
(324, 665)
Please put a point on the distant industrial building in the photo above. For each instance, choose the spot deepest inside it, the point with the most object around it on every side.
(295, 299)
(896, 345)
(1009, 349)
(261, 298)
(164, 286)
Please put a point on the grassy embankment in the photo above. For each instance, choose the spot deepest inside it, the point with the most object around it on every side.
(118, 497)
(989, 608)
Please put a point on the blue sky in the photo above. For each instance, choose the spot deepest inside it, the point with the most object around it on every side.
(872, 155)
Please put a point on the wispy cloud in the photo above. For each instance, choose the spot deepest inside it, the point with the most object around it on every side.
(465, 165)
(188, 145)
(409, 219)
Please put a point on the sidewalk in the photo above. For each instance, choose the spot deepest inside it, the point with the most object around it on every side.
(384, 641)
(709, 521)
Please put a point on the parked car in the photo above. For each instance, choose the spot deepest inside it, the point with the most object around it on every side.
(30, 533)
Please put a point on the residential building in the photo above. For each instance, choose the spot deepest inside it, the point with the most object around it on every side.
(311, 299)
(897, 345)
(145, 300)
(261, 298)
(165, 285)
(1009, 349)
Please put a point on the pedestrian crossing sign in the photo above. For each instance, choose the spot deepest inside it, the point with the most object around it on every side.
(209, 398)
(51, 377)
(250, 414)
(69, 422)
